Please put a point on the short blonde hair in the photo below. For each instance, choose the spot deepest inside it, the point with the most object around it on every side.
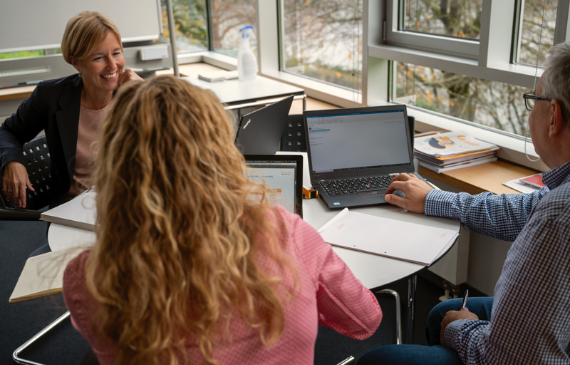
(84, 32)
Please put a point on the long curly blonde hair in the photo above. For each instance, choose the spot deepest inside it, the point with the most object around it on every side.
(179, 228)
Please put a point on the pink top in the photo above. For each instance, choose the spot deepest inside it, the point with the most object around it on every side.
(87, 133)
(330, 296)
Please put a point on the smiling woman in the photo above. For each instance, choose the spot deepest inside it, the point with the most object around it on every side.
(69, 110)
(100, 72)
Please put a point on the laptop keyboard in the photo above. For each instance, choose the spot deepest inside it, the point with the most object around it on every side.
(358, 185)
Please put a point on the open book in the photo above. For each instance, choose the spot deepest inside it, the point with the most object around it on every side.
(80, 212)
(43, 275)
(392, 238)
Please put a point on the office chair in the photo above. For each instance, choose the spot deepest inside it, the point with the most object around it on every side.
(398, 315)
(293, 137)
(37, 162)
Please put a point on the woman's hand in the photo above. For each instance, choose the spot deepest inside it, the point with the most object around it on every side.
(15, 183)
(127, 75)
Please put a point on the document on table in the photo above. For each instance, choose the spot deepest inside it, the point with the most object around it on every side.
(43, 275)
(392, 238)
(79, 212)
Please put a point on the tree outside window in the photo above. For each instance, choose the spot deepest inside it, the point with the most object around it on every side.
(485, 102)
(322, 39)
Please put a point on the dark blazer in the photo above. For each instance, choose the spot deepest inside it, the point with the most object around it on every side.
(54, 108)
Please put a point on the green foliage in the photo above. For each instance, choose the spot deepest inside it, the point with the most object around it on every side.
(22, 54)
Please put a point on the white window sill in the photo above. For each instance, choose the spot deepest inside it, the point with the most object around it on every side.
(319, 90)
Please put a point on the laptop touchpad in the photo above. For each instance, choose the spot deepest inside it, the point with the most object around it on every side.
(372, 198)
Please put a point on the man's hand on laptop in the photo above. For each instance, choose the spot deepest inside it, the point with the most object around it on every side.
(415, 189)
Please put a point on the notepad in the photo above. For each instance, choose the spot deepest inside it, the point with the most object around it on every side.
(43, 275)
(392, 238)
(80, 212)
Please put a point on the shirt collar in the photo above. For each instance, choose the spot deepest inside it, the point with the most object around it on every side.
(557, 176)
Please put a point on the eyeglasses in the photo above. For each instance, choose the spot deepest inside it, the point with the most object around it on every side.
(529, 99)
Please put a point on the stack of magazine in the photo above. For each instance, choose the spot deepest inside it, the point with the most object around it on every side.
(441, 152)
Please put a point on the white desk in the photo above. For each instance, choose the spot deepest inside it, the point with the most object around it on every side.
(240, 94)
(373, 270)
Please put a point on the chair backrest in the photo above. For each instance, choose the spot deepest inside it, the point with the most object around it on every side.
(293, 137)
(37, 161)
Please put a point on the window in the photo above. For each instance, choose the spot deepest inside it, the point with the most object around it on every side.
(485, 91)
(459, 18)
(228, 17)
(444, 26)
(488, 103)
(536, 29)
(221, 34)
(322, 39)
(191, 25)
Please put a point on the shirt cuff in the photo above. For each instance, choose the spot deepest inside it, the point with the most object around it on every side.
(453, 333)
(439, 203)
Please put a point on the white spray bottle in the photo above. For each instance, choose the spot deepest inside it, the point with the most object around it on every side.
(247, 63)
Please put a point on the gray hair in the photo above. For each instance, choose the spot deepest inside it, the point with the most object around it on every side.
(556, 77)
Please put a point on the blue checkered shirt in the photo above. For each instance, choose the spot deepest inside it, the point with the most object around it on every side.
(530, 319)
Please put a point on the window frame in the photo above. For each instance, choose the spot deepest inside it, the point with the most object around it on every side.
(493, 63)
(465, 48)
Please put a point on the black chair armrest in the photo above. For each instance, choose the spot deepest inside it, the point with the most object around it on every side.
(19, 215)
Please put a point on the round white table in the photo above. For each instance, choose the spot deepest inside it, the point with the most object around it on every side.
(376, 271)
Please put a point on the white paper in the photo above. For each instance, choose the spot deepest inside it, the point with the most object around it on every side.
(79, 212)
(388, 237)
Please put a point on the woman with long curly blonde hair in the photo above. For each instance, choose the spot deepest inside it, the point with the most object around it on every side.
(191, 264)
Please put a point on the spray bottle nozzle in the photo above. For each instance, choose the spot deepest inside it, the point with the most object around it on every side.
(245, 31)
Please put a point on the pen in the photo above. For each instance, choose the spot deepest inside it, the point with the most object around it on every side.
(346, 361)
(465, 299)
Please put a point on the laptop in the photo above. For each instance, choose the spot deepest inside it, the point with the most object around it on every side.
(283, 175)
(259, 132)
(355, 152)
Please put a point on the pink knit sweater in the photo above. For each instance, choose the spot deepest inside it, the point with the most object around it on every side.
(330, 295)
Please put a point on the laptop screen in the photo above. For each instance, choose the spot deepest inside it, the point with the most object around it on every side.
(358, 140)
(283, 177)
(259, 132)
